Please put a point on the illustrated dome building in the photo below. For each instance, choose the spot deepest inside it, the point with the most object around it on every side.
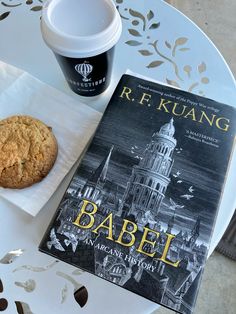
(149, 180)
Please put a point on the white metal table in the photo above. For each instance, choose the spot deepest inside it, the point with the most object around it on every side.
(157, 41)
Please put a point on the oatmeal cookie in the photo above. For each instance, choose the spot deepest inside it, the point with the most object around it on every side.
(28, 150)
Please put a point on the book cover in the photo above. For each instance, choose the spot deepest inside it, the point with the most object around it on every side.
(141, 207)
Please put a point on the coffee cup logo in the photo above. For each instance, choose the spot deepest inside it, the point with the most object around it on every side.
(84, 69)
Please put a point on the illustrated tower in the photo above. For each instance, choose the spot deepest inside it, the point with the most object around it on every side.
(149, 180)
(93, 188)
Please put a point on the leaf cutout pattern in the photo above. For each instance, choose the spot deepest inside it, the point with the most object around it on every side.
(122, 16)
(133, 43)
(136, 14)
(145, 52)
(154, 64)
(76, 284)
(202, 67)
(181, 41)
(173, 83)
(184, 49)
(36, 8)
(194, 85)
(36, 269)
(188, 69)
(134, 32)
(10, 5)
(81, 296)
(150, 15)
(176, 69)
(205, 80)
(23, 308)
(168, 45)
(77, 272)
(154, 25)
(135, 22)
(11, 256)
(4, 15)
(139, 15)
(28, 285)
(64, 293)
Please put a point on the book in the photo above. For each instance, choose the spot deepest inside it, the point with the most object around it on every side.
(141, 207)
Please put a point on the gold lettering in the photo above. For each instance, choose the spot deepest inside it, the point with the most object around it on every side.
(223, 127)
(178, 114)
(192, 114)
(109, 227)
(144, 240)
(166, 249)
(163, 104)
(126, 92)
(89, 214)
(144, 98)
(203, 115)
(130, 232)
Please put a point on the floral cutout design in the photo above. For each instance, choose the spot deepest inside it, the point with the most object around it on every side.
(21, 307)
(80, 292)
(11, 256)
(159, 51)
(35, 5)
(3, 301)
(29, 285)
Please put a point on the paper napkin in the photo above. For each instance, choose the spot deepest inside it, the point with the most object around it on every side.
(72, 122)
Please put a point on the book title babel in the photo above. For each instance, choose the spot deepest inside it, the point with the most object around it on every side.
(128, 227)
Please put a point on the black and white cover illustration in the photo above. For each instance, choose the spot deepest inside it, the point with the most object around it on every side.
(141, 207)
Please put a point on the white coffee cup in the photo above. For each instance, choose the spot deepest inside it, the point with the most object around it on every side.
(82, 34)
